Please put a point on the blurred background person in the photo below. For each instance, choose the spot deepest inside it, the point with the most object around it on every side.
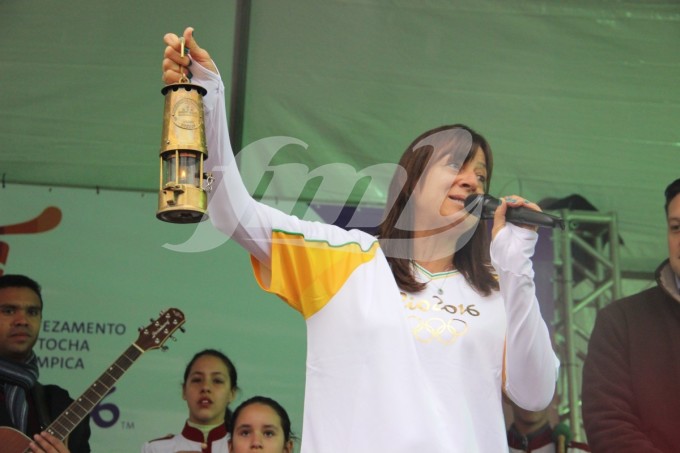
(533, 432)
(260, 424)
(209, 386)
(25, 404)
(631, 375)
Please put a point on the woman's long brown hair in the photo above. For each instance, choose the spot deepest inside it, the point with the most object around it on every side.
(472, 259)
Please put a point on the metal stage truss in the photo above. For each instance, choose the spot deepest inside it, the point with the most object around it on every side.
(587, 276)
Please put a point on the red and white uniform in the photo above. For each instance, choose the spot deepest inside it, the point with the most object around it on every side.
(191, 439)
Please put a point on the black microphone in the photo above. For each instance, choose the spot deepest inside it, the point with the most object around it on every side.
(521, 215)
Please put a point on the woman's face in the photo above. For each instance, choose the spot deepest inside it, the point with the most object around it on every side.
(258, 427)
(445, 186)
(208, 391)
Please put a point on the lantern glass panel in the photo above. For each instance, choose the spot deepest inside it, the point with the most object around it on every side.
(189, 168)
(169, 168)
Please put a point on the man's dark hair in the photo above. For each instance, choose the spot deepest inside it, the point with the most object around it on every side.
(21, 281)
(672, 190)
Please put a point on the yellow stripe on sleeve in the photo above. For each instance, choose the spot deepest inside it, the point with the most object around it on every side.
(306, 274)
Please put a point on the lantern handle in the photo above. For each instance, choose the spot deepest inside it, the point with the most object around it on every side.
(183, 78)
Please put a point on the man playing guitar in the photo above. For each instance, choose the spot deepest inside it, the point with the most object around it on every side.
(25, 404)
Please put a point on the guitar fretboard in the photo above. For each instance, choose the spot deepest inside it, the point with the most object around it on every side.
(83, 405)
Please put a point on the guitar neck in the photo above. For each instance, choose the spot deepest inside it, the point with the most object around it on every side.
(83, 405)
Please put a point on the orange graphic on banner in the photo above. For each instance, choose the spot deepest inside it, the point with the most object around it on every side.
(45, 221)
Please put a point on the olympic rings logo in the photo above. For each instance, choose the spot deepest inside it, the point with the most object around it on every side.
(436, 329)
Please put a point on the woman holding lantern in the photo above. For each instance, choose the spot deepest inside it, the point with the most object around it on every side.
(412, 336)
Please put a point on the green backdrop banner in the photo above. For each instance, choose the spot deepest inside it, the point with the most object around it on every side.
(106, 269)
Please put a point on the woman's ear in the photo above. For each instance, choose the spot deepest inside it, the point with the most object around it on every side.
(288, 448)
(233, 395)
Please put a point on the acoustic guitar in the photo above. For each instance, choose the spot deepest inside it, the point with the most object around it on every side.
(150, 337)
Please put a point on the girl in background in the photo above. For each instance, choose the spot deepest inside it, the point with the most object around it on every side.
(209, 387)
(261, 424)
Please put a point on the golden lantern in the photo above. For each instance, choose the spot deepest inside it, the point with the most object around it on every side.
(182, 197)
